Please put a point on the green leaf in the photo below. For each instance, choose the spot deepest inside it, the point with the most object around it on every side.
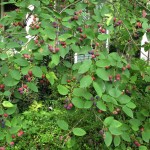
(128, 111)
(126, 137)
(64, 37)
(108, 121)
(88, 104)
(143, 148)
(21, 62)
(15, 74)
(115, 131)
(85, 66)
(101, 105)
(32, 86)
(51, 77)
(37, 72)
(77, 102)
(11, 110)
(98, 89)
(14, 130)
(114, 92)
(146, 136)
(103, 37)
(79, 132)
(8, 137)
(62, 124)
(102, 63)
(108, 139)
(117, 141)
(124, 99)
(86, 81)
(9, 81)
(103, 74)
(131, 105)
(7, 104)
(1, 111)
(62, 90)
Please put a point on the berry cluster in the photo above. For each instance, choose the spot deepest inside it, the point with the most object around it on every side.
(117, 23)
(53, 49)
(23, 89)
(35, 23)
(68, 105)
(94, 53)
(76, 15)
(29, 76)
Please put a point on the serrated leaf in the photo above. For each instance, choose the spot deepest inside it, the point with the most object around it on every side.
(32, 86)
(124, 99)
(79, 132)
(127, 111)
(88, 104)
(64, 37)
(108, 139)
(9, 81)
(86, 81)
(7, 104)
(117, 141)
(126, 137)
(103, 63)
(15, 74)
(114, 92)
(62, 124)
(78, 102)
(21, 62)
(103, 74)
(101, 105)
(108, 121)
(98, 89)
(103, 37)
(85, 66)
(37, 72)
(62, 90)
(51, 77)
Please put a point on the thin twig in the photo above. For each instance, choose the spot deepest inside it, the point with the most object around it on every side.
(69, 6)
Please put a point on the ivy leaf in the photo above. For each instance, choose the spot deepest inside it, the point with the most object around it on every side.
(79, 132)
(62, 90)
(62, 124)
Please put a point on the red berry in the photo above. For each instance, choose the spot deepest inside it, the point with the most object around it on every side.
(30, 73)
(57, 49)
(93, 78)
(20, 133)
(25, 86)
(12, 143)
(13, 136)
(70, 105)
(128, 66)
(100, 111)
(2, 148)
(123, 68)
(2, 86)
(68, 81)
(36, 41)
(29, 79)
(93, 56)
(5, 115)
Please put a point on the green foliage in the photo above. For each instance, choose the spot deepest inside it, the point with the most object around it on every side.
(101, 102)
